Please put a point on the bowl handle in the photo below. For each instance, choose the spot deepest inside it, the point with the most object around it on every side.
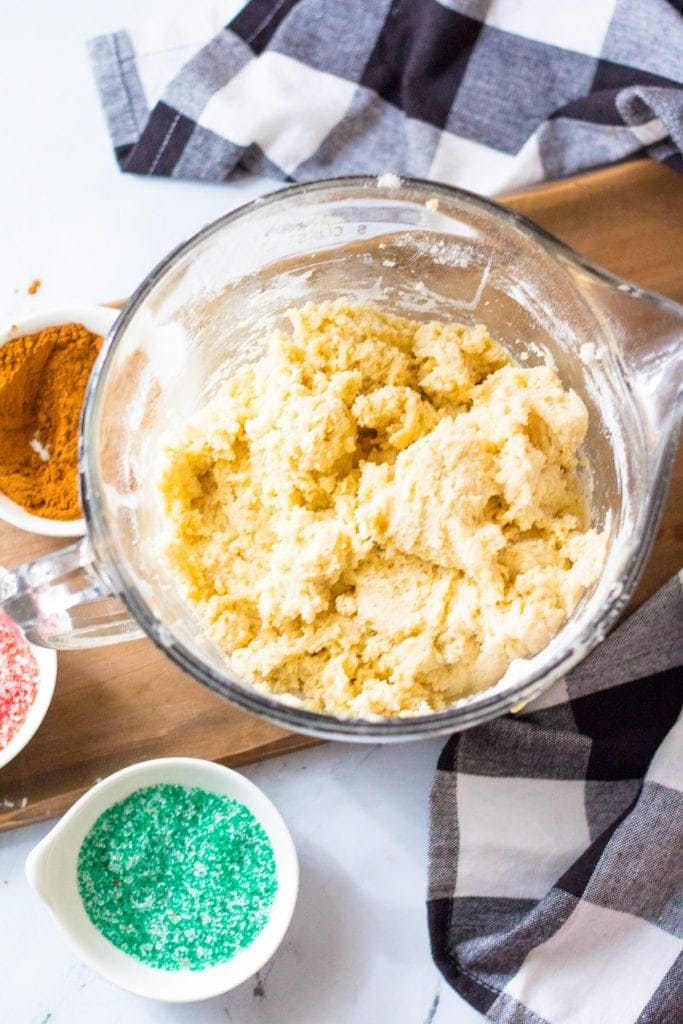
(62, 601)
(647, 333)
(36, 867)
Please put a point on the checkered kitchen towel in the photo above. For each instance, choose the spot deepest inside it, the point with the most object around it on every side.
(556, 849)
(485, 94)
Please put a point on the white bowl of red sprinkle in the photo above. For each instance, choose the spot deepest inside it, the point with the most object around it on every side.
(175, 879)
(27, 683)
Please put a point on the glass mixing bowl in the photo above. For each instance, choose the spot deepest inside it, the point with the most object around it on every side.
(414, 247)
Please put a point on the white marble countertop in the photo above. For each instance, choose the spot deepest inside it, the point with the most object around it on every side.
(357, 951)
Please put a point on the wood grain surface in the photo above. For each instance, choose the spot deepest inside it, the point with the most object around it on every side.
(114, 706)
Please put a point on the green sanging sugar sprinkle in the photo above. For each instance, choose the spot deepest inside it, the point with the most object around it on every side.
(177, 877)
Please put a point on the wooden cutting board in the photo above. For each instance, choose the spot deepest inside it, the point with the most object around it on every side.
(116, 705)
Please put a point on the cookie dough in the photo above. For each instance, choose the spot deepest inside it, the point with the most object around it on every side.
(380, 514)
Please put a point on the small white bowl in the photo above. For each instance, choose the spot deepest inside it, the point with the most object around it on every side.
(46, 660)
(97, 319)
(51, 869)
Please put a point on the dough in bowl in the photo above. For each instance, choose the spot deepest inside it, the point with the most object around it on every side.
(380, 514)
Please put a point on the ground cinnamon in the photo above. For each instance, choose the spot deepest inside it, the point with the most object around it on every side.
(42, 384)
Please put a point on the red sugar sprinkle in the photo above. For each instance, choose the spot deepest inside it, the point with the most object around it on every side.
(18, 680)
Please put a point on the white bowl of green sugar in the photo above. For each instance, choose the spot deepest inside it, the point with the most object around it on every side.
(175, 879)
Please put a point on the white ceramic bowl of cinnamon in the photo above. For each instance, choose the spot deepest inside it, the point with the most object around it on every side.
(96, 319)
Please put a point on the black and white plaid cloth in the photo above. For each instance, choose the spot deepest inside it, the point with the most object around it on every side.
(489, 95)
(556, 848)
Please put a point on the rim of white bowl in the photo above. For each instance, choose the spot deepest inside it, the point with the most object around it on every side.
(51, 870)
(99, 320)
(46, 660)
